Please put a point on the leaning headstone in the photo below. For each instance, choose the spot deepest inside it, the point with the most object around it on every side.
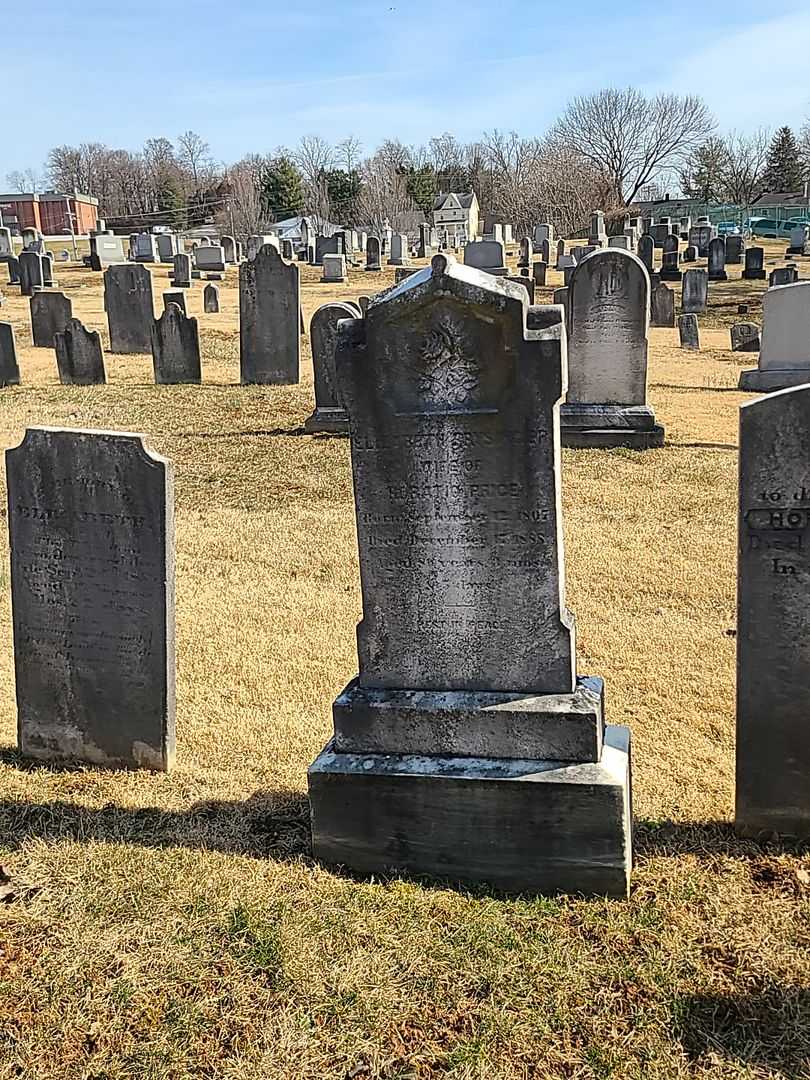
(689, 331)
(175, 296)
(329, 414)
(773, 664)
(210, 299)
(334, 268)
(269, 319)
(717, 259)
(669, 259)
(745, 337)
(50, 314)
(129, 306)
(735, 249)
(175, 348)
(451, 383)
(646, 251)
(31, 274)
(783, 275)
(784, 358)
(662, 306)
(9, 371)
(694, 292)
(181, 278)
(754, 264)
(79, 356)
(92, 589)
(608, 317)
(487, 255)
(373, 257)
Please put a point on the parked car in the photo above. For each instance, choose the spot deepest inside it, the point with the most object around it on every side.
(773, 228)
(728, 228)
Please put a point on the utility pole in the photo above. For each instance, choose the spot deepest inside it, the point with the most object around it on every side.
(230, 214)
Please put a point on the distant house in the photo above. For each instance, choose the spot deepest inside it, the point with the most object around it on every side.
(456, 215)
(780, 200)
(291, 228)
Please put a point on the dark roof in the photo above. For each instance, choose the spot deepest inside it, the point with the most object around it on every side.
(464, 200)
(781, 198)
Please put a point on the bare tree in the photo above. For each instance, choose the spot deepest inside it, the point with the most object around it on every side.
(631, 138)
(743, 166)
(348, 153)
(246, 210)
(384, 197)
(194, 156)
(23, 180)
(314, 156)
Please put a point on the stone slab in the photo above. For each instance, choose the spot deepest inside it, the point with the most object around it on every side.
(773, 379)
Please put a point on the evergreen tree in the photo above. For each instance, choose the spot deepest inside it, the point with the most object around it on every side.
(702, 176)
(282, 189)
(344, 193)
(784, 171)
(422, 186)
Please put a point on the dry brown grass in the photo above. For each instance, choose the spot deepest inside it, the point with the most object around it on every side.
(182, 929)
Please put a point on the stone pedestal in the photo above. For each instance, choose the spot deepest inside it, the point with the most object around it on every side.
(600, 427)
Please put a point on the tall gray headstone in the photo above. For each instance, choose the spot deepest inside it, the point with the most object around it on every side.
(269, 319)
(181, 278)
(646, 251)
(91, 523)
(9, 371)
(13, 270)
(330, 414)
(560, 255)
(229, 248)
(773, 662)
(175, 348)
(210, 299)
(79, 356)
(399, 250)
(47, 270)
(451, 383)
(669, 259)
(31, 272)
(373, 256)
(717, 259)
(129, 306)
(50, 314)
(608, 319)
(694, 292)
(735, 249)
(784, 359)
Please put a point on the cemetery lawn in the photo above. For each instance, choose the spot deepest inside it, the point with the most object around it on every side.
(159, 927)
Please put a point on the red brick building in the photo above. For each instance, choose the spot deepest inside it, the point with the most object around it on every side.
(50, 213)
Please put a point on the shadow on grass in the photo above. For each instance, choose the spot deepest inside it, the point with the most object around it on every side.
(706, 839)
(689, 389)
(768, 1029)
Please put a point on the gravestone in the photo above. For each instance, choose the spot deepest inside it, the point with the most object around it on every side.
(175, 348)
(783, 275)
(526, 282)
(9, 371)
(327, 245)
(269, 319)
(608, 318)
(168, 245)
(229, 249)
(6, 249)
(754, 264)
(256, 243)
(799, 240)
(92, 587)
(690, 254)
(662, 306)
(334, 268)
(145, 249)
(558, 265)
(773, 664)
(735, 249)
(79, 356)
(287, 250)
(209, 258)
(399, 250)
(31, 272)
(329, 414)
(560, 296)
(47, 270)
(181, 278)
(717, 259)
(362, 303)
(451, 383)
(129, 307)
(50, 314)
(660, 231)
(700, 236)
(646, 251)
(424, 248)
(175, 296)
(526, 252)
(669, 259)
(13, 271)
(597, 236)
(106, 249)
(544, 252)
(373, 257)
(745, 337)
(210, 299)
(689, 331)
(542, 232)
(539, 272)
(784, 358)
(487, 255)
(694, 292)
(621, 242)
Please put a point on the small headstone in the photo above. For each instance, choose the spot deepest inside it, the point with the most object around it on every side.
(689, 331)
(47, 270)
(330, 414)
(9, 371)
(129, 306)
(196, 275)
(784, 358)
(745, 337)
(690, 254)
(209, 258)
(799, 240)
(735, 249)
(694, 292)
(662, 306)
(181, 279)
(754, 264)
(373, 257)
(50, 314)
(210, 299)
(269, 319)
(79, 356)
(334, 268)
(175, 296)
(175, 348)
(92, 590)
(622, 242)
(717, 259)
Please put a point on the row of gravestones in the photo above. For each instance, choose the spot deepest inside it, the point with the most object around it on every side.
(468, 746)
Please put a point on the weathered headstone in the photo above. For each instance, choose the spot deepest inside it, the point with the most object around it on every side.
(181, 277)
(175, 348)
(799, 240)
(451, 383)
(47, 270)
(487, 255)
(327, 245)
(646, 251)
(669, 259)
(597, 236)
(717, 259)
(745, 337)
(145, 248)
(700, 236)
(694, 292)
(229, 248)
(6, 249)
(79, 356)
(539, 272)
(329, 414)
(168, 245)
(373, 257)
(783, 275)
(31, 274)
(210, 299)
(558, 265)
(689, 331)
(542, 232)
(175, 296)
(287, 250)
(784, 358)
(129, 306)
(735, 249)
(608, 318)
(334, 268)
(560, 296)
(399, 250)
(92, 587)
(622, 242)
(50, 314)
(689, 254)
(662, 306)
(209, 257)
(13, 270)
(754, 264)
(773, 663)
(9, 371)
(269, 319)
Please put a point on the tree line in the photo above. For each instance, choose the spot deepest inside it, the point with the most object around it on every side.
(607, 149)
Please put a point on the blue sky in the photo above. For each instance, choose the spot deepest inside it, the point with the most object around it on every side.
(251, 75)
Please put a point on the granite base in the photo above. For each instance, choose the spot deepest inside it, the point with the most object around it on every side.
(540, 827)
(331, 421)
(773, 379)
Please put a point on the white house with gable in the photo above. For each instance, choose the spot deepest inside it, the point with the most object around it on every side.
(455, 217)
